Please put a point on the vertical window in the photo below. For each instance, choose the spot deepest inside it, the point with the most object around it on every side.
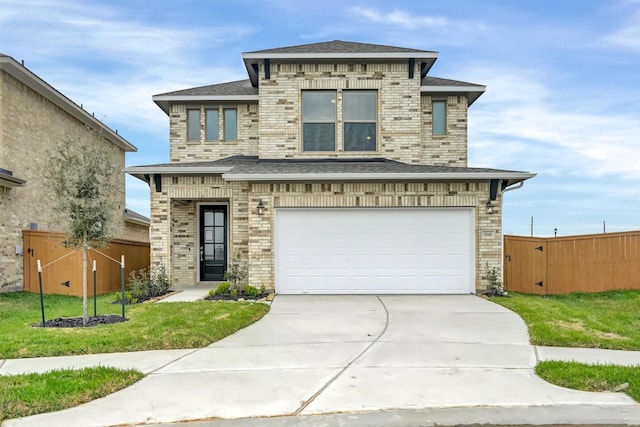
(211, 130)
(193, 125)
(319, 120)
(230, 125)
(439, 116)
(360, 112)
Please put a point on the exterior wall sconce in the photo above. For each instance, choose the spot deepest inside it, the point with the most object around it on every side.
(489, 207)
(260, 208)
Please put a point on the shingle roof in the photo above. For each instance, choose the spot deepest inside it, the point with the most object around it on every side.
(244, 167)
(339, 46)
(437, 81)
(240, 87)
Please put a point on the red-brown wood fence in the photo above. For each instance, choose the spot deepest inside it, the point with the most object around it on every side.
(560, 265)
(48, 247)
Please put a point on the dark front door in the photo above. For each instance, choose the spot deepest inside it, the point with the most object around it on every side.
(213, 243)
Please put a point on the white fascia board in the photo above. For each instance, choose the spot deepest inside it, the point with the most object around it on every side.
(329, 55)
(11, 181)
(187, 98)
(24, 75)
(440, 176)
(173, 170)
(448, 89)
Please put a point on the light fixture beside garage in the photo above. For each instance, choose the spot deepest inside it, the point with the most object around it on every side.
(489, 206)
(260, 208)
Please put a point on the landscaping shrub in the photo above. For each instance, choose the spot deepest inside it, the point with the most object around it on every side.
(145, 284)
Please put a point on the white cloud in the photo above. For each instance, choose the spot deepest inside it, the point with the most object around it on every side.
(521, 121)
(411, 21)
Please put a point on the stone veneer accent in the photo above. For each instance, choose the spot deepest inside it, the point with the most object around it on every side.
(30, 126)
(174, 217)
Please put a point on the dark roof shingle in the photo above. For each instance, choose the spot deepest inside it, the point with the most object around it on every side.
(339, 46)
(239, 87)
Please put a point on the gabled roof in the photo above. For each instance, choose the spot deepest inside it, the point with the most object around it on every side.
(240, 90)
(24, 75)
(337, 50)
(251, 168)
(436, 85)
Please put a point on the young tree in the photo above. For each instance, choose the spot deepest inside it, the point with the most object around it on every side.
(85, 190)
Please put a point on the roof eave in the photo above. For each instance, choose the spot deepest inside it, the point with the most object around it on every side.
(472, 92)
(7, 180)
(25, 76)
(436, 176)
(249, 58)
(164, 101)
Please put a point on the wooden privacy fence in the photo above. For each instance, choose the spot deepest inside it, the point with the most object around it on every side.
(560, 265)
(48, 247)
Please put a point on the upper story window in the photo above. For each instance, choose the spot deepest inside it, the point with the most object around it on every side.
(193, 125)
(230, 124)
(439, 117)
(360, 112)
(319, 120)
(211, 123)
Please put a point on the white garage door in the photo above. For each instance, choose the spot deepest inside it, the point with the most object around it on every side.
(374, 251)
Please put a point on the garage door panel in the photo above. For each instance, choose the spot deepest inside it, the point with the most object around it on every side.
(399, 250)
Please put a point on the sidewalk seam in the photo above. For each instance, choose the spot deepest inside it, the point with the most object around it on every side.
(174, 360)
(335, 377)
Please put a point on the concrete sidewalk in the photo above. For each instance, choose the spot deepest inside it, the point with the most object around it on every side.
(314, 356)
(148, 362)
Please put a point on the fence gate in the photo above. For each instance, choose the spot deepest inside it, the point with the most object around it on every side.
(525, 267)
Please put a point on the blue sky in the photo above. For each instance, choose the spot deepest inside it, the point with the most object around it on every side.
(562, 76)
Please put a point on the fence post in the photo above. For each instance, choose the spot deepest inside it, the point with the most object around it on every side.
(122, 283)
(95, 312)
(41, 296)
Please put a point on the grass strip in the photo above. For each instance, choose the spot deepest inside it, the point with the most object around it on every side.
(30, 394)
(580, 376)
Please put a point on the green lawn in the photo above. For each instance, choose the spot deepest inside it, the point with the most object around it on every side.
(580, 376)
(597, 320)
(24, 395)
(151, 326)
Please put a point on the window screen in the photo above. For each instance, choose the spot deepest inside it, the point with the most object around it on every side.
(439, 118)
(230, 125)
(319, 120)
(212, 125)
(360, 112)
(193, 125)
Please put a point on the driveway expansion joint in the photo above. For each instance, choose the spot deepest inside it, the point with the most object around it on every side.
(336, 376)
(155, 371)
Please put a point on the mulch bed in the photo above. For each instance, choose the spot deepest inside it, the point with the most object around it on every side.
(76, 322)
(241, 296)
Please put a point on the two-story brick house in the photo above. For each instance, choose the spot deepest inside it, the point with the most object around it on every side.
(337, 167)
(34, 118)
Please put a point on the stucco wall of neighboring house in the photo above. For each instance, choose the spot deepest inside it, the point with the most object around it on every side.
(449, 149)
(174, 217)
(30, 126)
(182, 150)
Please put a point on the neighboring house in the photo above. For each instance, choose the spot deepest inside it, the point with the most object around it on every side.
(337, 167)
(34, 117)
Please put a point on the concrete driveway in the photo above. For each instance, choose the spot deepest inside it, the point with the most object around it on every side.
(325, 354)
